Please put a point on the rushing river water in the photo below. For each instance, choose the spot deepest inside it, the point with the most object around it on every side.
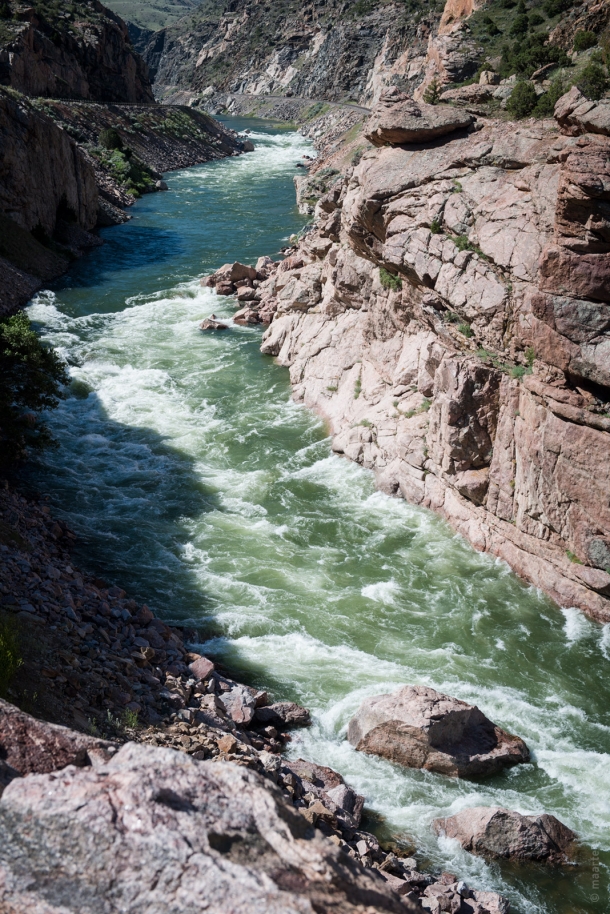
(196, 483)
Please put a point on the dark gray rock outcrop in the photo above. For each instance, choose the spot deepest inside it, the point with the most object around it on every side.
(497, 832)
(421, 728)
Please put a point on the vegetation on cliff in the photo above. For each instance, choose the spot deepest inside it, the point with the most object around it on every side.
(31, 375)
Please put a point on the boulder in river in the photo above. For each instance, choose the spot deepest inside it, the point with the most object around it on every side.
(212, 323)
(283, 714)
(496, 832)
(422, 728)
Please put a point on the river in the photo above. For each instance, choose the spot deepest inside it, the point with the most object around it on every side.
(195, 482)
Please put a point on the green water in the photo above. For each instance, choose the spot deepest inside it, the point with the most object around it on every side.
(194, 481)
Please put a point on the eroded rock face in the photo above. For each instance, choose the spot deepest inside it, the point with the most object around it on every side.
(158, 831)
(421, 728)
(399, 119)
(482, 369)
(497, 832)
(577, 114)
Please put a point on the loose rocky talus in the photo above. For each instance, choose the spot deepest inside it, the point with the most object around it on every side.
(421, 728)
(497, 832)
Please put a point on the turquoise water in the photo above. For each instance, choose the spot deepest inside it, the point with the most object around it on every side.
(196, 483)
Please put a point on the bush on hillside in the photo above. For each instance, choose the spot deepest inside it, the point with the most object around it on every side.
(555, 7)
(593, 81)
(528, 55)
(584, 40)
(545, 105)
(522, 101)
(520, 25)
(31, 375)
(5, 11)
(110, 139)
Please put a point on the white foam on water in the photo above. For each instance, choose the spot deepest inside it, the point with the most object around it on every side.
(381, 592)
(576, 626)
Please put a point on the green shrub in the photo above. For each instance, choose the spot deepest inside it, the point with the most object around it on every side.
(530, 356)
(357, 387)
(432, 93)
(573, 558)
(10, 653)
(536, 19)
(435, 226)
(465, 330)
(545, 105)
(517, 372)
(30, 377)
(555, 7)
(584, 40)
(389, 281)
(490, 26)
(523, 100)
(520, 25)
(110, 139)
(593, 81)
(5, 11)
(529, 54)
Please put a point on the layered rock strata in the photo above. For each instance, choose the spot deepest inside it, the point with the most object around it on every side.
(447, 313)
(421, 728)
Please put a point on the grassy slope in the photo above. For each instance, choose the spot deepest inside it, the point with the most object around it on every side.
(151, 14)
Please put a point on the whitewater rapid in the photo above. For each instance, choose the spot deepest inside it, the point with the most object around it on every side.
(195, 482)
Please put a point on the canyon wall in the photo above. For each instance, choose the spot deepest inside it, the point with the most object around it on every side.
(84, 53)
(449, 314)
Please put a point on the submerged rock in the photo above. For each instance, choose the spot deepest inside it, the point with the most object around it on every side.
(421, 728)
(497, 832)
(397, 119)
(212, 323)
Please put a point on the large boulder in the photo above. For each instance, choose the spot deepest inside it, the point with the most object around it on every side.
(398, 119)
(421, 728)
(576, 114)
(155, 830)
(496, 832)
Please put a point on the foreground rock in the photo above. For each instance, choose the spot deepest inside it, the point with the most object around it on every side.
(578, 115)
(497, 832)
(155, 830)
(421, 728)
(398, 119)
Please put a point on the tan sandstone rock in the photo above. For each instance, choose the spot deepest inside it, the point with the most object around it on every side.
(397, 119)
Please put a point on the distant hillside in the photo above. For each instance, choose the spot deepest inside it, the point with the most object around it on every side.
(152, 14)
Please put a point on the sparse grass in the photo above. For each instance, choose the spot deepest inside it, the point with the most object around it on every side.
(389, 280)
(530, 356)
(10, 653)
(332, 388)
(435, 227)
(517, 372)
(357, 387)
(573, 558)
(465, 330)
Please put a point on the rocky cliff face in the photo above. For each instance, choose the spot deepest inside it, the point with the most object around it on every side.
(448, 314)
(80, 52)
(46, 187)
(336, 51)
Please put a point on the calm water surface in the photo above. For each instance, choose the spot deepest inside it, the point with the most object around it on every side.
(195, 482)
